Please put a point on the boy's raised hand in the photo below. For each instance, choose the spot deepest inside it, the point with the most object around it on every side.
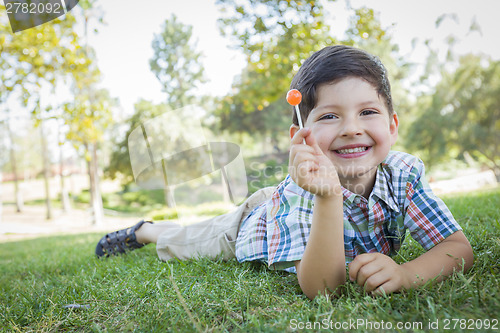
(310, 168)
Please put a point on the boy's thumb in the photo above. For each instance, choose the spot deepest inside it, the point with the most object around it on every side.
(311, 141)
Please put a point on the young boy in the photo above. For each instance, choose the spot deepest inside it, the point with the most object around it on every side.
(348, 199)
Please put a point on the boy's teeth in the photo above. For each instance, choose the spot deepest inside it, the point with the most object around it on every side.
(352, 150)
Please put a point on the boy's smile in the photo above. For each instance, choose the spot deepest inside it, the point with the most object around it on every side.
(352, 126)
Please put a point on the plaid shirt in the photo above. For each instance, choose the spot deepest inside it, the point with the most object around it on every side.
(276, 232)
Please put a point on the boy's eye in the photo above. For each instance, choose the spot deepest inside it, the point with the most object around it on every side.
(327, 116)
(368, 112)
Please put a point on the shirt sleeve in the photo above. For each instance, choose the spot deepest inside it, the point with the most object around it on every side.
(427, 217)
(288, 225)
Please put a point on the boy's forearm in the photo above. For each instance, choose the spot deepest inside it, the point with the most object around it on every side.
(322, 268)
(452, 254)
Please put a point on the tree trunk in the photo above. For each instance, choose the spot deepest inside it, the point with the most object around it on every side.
(169, 197)
(64, 191)
(13, 163)
(46, 171)
(95, 193)
(227, 194)
(1, 202)
(496, 170)
(492, 162)
(168, 192)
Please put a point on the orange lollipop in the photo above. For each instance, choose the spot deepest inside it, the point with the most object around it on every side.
(294, 97)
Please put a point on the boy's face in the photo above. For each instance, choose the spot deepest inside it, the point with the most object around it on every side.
(352, 126)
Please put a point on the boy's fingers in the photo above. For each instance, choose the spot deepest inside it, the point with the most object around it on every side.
(298, 155)
(311, 141)
(300, 135)
(304, 168)
(367, 275)
(298, 159)
(301, 165)
(385, 288)
(300, 149)
(357, 263)
(373, 278)
(304, 135)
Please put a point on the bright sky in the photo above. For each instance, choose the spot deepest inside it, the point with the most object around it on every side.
(124, 45)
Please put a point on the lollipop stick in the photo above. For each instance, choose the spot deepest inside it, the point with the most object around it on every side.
(299, 118)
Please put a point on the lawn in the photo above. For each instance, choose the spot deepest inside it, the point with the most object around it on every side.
(41, 277)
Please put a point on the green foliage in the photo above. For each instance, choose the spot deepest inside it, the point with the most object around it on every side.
(136, 198)
(176, 64)
(365, 28)
(212, 209)
(462, 115)
(39, 56)
(268, 173)
(164, 214)
(83, 197)
(204, 210)
(43, 51)
(119, 165)
(89, 115)
(44, 57)
(136, 203)
(137, 292)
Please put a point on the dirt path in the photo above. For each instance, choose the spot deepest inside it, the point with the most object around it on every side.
(32, 223)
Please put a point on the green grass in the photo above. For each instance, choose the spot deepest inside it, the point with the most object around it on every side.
(138, 292)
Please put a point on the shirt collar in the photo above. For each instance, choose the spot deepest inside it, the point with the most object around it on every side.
(381, 191)
(382, 188)
(348, 196)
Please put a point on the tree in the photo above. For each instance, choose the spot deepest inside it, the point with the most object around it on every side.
(14, 168)
(88, 117)
(42, 57)
(35, 58)
(458, 116)
(119, 165)
(91, 114)
(3, 160)
(176, 63)
(462, 115)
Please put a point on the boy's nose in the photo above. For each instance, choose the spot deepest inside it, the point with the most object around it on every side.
(351, 128)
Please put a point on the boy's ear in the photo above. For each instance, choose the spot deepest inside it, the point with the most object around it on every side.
(393, 128)
(293, 129)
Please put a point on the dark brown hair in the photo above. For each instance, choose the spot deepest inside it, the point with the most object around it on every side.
(334, 63)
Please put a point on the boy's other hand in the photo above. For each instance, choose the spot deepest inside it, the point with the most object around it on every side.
(310, 168)
(378, 273)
